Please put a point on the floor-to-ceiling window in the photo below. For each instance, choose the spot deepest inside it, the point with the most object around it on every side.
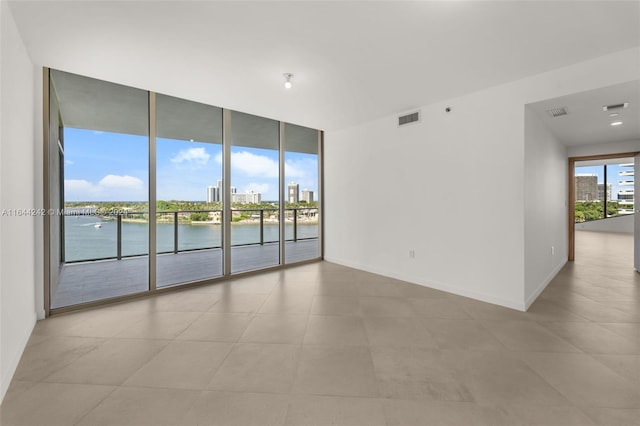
(254, 192)
(104, 166)
(159, 191)
(302, 215)
(188, 179)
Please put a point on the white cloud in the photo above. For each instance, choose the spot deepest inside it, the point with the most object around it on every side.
(109, 188)
(193, 156)
(262, 188)
(121, 182)
(253, 165)
(68, 162)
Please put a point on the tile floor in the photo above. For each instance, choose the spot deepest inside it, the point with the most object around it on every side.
(323, 344)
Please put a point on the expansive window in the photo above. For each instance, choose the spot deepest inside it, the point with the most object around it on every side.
(104, 173)
(188, 179)
(603, 189)
(301, 184)
(205, 194)
(253, 194)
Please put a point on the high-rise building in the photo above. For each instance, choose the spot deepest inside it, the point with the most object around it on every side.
(601, 193)
(626, 191)
(246, 198)
(210, 193)
(587, 187)
(307, 195)
(293, 193)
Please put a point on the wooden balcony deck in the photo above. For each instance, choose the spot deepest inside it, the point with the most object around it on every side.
(91, 281)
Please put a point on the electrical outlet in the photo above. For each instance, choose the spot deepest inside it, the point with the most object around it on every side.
(553, 250)
(412, 254)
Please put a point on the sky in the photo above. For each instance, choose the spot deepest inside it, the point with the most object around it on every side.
(103, 166)
(612, 176)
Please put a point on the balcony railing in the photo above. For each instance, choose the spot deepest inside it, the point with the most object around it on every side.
(238, 216)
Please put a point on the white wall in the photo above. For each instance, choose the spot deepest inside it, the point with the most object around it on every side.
(452, 188)
(545, 206)
(604, 148)
(17, 233)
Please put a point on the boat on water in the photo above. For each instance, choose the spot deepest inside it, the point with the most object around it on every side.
(97, 225)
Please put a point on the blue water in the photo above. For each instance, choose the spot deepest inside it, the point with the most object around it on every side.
(83, 241)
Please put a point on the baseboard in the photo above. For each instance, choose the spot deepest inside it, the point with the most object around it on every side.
(7, 375)
(538, 291)
(511, 304)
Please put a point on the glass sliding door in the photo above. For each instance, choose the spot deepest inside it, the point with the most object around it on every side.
(302, 214)
(254, 192)
(188, 189)
(103, 140)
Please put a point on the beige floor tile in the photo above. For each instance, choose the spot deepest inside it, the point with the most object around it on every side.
(142, 406)
(378, 286)
(527, 336)
(461, 335)
(183, 301)
(628, 366)
(422, 292)
(438, 308)
(336, 411)
(45, 358)
(501, 378)
(547, 310)
(110, 363)
(335, 305)
(613, 416)
(160, 325)
(237, 409)
(385, 306)
(487, 311)
(583, 380)
(397, 331)
(182, 365)
(52, 404)
(217, 327)
(531, 415)
(277, 328)
(283, 302)
(98, 323)
(416, 373)
(592, 338)
(443, 413)
(239, 303)
(258, 368)
(337, 287)
(335, 330)
(339, 370)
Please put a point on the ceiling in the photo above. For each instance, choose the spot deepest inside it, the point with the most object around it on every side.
(586, 123)
(353, 61)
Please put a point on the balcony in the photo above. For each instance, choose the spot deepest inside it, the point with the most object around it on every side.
(254, 245)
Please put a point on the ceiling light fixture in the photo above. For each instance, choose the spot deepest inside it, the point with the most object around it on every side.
(616, 123)
(287, 79)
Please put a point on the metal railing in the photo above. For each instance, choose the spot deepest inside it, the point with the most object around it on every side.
(292, 214)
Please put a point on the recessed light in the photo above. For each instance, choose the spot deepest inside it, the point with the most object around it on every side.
(616, 123)
(614, 114)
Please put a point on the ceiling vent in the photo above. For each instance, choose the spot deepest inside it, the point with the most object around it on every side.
(615, 106)
(410, 118)
(557, 112)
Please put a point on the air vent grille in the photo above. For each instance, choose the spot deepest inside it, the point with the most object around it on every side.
(615, 106)
(557, 112)
(414, 117)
